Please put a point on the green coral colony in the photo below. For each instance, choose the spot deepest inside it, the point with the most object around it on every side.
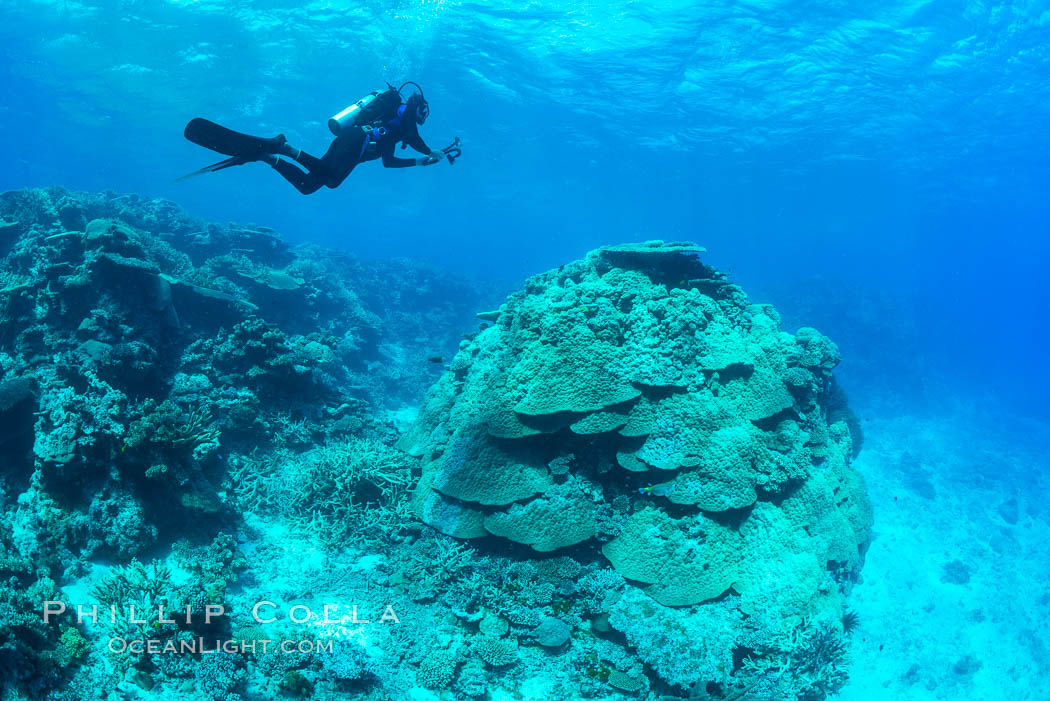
(630, 482)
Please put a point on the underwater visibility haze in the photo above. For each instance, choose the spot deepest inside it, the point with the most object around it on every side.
(714, 367)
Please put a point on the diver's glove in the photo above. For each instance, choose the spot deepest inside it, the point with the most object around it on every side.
(435, 157)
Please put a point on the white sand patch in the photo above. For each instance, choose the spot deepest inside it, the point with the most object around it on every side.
(955, 601)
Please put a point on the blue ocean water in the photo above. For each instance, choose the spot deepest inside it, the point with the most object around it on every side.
(878, 172)
(899, 150)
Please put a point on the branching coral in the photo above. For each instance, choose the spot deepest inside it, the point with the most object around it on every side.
(189, 430)
(430, 565)
(144, 587)
(438, 669)
(809, 663)
(351, 491)
(496, 652)
(130, 600)
(220, 676)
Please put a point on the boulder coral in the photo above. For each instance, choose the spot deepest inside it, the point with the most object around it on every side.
(639, 387)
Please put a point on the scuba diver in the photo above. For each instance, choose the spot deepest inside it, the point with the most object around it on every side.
(365, 131)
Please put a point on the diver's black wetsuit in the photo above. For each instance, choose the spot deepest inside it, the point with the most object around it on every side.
(345, 153)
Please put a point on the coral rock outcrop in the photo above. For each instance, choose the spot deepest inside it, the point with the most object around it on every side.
(642, 376)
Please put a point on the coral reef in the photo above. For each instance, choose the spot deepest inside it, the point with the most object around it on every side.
(140, 348)
(627, 483)
(34, 656)
(635, 405)
(162, 378)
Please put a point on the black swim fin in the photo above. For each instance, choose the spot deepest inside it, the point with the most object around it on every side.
(241, 148)
(235, 161)
(232, 143)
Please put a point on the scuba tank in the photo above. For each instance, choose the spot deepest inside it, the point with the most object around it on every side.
(351, 116)
(376, 105)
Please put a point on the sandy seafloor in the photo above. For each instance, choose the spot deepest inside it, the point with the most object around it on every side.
(955, 602)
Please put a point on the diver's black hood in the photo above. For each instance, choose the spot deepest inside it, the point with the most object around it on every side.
(417, 107)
